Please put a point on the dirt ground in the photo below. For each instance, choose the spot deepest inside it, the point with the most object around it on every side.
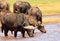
(53, 34)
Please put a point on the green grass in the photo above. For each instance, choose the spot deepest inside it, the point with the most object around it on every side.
(48, 7)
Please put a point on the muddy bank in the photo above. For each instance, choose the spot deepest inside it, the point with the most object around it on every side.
(55, 16)
(51, 19)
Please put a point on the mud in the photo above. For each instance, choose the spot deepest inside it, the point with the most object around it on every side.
(53, 34)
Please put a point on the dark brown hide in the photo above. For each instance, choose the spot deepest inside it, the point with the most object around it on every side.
(21, 7)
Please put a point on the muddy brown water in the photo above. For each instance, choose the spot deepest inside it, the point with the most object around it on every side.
(52, 34)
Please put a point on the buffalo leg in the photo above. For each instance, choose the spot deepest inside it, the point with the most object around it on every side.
(23, 33)
(30, 33)
(11, 32)
(5, 32)
(2, 28)
(15, 33)
(33, 31)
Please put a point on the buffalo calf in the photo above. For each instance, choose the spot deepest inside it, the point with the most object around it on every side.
(4, 6)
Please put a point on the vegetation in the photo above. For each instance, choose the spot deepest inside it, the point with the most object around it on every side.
(48, 7)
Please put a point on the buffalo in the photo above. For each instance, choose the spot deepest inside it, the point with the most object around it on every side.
(4, 6)
(37, 14)
(21, 7)
(17, 22)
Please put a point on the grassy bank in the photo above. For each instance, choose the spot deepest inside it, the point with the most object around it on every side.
(50, 20)
(48, 7)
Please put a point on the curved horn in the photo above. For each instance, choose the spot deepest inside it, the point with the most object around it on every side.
(30, 27)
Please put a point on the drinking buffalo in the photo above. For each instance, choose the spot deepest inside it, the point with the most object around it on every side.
(16, 22)
(37, 14)
(21, 7)
(4, 6)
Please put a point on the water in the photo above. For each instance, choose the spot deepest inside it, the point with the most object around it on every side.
(58, 16)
